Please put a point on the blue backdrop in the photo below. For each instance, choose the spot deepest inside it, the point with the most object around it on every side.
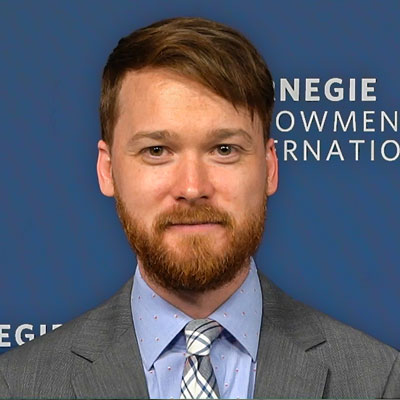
(331, 238)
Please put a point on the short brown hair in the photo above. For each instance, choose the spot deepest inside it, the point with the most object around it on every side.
(213, 54)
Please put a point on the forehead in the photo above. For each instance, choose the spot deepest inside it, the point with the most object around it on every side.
(158, 98)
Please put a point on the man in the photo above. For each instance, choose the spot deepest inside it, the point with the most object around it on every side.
(186, 107)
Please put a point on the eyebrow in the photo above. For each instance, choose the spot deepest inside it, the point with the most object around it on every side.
(226, 133)
(155, 135)
(215, 135)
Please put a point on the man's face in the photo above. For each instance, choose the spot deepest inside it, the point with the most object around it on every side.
(190, 174)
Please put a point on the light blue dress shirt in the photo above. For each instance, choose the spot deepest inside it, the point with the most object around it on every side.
(159, 331)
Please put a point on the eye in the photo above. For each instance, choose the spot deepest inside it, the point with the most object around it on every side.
(156, 155)
(224, 149)
(226, 153)
(155, 151)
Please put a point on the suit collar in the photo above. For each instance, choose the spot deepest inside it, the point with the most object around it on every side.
(292, 318)
(109, 363)
(107, 354)
(286, 367)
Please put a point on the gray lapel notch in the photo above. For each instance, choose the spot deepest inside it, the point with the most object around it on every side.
(117, 374)
(107, 358)
(109, 364)
(285, 367)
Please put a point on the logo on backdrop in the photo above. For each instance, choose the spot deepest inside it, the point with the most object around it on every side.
(346, 129)
(11, 335)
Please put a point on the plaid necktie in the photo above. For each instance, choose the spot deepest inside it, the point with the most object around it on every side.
(198, 381)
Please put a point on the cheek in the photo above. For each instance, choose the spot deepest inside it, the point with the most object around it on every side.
(142, 190)
(243, 191)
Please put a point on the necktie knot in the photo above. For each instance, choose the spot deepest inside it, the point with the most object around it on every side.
(200, 333)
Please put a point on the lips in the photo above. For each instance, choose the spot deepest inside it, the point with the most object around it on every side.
(196, 223)
(193, 226)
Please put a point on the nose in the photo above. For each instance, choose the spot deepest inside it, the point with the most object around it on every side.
(192, 183)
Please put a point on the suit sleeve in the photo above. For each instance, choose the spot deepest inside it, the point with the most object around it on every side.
(392, 388)
(4, 389)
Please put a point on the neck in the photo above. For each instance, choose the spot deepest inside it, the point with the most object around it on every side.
(198, 305)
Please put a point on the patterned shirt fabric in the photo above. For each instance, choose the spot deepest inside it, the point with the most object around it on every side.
(159, 328)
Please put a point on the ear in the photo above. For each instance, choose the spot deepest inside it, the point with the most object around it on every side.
(104, 169)
(272, 167)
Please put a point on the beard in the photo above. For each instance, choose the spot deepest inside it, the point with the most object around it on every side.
(194, 263)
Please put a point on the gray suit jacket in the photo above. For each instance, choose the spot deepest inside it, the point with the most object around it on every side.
(302, 354)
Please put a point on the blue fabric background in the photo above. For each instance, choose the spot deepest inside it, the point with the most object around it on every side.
(332, 232)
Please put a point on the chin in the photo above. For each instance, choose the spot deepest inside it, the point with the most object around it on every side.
(181, 245)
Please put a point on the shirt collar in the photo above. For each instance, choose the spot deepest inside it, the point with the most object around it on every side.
(157, 322)
(241, 314)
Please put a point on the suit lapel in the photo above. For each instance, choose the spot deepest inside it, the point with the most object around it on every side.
(107, 357)
(285, 366)
(118, 373)
(108, 362)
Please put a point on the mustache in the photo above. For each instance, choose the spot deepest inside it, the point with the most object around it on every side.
(201, 214)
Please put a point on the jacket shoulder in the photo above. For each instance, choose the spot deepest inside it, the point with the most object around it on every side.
(44, 366)
(356, 359)
(358, 364)
(47, 360)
